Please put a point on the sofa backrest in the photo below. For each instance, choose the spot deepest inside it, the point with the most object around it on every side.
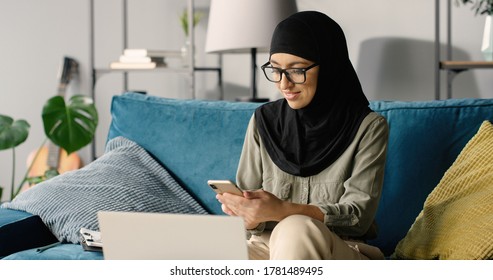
(425, 138)
(200, 140)
(194, 140)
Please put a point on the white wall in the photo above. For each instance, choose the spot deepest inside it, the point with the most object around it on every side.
(34, 36)
(390, 44)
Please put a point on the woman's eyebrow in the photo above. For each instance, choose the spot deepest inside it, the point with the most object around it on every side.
(273, 62)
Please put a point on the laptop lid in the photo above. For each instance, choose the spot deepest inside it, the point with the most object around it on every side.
(159, 236)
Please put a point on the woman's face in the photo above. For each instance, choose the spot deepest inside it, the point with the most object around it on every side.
(297, 95)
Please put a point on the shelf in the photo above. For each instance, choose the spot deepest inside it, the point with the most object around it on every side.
(183, 70)
(157, 69)
(98, 72)
(188, 71)
(457, 65)
(449, 65)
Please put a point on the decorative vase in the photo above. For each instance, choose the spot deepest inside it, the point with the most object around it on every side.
(487, 46)
(185, 49)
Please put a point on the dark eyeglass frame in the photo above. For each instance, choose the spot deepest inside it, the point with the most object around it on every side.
(285, 72)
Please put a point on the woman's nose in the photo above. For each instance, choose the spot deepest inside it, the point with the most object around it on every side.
(285, 82)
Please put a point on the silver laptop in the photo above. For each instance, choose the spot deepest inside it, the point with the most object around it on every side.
(157, 236)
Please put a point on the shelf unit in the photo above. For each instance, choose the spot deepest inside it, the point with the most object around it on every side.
(188, 70)
(452, 67)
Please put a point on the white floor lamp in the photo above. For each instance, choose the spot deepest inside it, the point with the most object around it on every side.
(245, 26)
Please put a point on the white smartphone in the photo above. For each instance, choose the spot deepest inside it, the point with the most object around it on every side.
(224, 186)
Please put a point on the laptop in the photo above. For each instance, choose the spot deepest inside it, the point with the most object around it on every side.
(159, 236)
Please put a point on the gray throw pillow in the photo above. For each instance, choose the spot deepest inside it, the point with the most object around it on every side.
(125, 178)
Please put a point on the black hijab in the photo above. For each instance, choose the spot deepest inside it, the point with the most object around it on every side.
(305, 141)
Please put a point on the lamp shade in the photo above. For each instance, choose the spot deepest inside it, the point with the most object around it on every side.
(237, 26)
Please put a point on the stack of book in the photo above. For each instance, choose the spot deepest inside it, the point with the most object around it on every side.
(141, 59)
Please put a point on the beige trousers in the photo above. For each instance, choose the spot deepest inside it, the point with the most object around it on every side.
(300, 237)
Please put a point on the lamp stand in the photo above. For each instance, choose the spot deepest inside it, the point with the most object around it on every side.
(253, 84)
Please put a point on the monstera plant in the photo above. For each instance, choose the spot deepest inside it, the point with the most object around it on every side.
(12, 134)
(70, 125)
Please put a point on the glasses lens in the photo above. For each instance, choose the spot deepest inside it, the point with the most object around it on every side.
(272, 74)
(297, 76)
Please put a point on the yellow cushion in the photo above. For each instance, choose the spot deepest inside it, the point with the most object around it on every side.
(457, 218)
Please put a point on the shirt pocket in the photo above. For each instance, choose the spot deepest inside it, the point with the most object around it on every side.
(329, 192)
(282, 190)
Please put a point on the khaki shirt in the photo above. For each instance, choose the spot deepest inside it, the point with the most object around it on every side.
(347, 192)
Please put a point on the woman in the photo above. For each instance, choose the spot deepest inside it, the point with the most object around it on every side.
(312, 163)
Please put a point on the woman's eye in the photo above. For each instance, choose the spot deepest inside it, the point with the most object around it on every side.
(295, 71)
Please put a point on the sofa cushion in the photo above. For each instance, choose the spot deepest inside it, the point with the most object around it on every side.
(195, 140)
(125, 178)
(20, 230)
(59, 252)
(425, 138)
(457, 219)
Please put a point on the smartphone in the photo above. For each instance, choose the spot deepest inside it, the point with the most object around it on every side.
(223, 186)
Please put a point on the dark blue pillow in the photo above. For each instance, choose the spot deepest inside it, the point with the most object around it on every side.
(21, 231)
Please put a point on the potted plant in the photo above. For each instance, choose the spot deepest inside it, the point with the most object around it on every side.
(184, 20)
(71, 126)
(12, 134)
(184, 25)
(484, 7)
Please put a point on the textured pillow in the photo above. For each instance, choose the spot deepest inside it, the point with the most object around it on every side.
(125, 178)
(457, 219)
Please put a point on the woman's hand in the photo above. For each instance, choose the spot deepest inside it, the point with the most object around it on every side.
(254, 207)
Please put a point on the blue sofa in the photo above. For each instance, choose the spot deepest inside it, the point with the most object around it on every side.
(200, 140)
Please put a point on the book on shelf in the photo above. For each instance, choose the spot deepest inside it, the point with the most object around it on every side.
(150, 53)
(136, 65)
(143, 59)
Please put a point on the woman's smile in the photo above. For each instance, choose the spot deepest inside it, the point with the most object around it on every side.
(291, 95)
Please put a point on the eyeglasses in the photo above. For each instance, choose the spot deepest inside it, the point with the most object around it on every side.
(294, 75)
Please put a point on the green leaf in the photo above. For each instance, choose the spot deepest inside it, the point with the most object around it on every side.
(12, 133)
(481, 7)
(184, 20)
(51, 173)
(70, 126)
(35, 180)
